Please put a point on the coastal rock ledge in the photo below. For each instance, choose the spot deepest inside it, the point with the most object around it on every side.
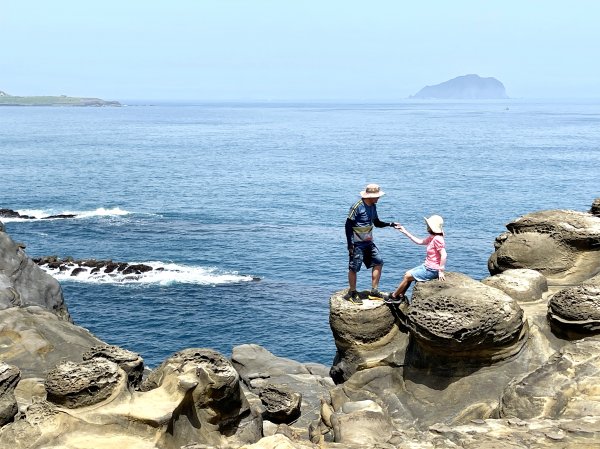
(512, 362)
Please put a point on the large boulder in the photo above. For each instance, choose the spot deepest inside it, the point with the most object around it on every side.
(366, 335)
(562, 245)
(74, 385)
(520, 284)
(23, 283)
(574, 312)
(217, 411)
(461, 324)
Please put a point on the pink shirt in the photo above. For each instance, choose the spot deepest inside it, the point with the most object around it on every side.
(435, 244)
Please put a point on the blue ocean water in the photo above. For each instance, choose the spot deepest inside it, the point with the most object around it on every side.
(217, 194)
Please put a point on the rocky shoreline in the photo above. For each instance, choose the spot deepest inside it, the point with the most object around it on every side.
(512, 361)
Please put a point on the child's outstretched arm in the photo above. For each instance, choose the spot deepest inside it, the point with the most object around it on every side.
(403, 230)
(443, 257)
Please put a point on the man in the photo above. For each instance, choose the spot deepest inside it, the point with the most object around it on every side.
(361, 248)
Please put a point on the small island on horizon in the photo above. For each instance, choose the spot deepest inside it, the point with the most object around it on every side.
(60, 100)
(466, 87)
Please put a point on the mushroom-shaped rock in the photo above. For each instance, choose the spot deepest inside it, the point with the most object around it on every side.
(566, 386)
(560, 244)
(217, 411)
(521, 284)
(365, 335)
(282, 405)
(575, 311)
(128, 361)
(75, 385)
(464, 323)
(9, 378)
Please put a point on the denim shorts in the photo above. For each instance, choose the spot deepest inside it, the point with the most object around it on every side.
(367, 254)
(422, 273)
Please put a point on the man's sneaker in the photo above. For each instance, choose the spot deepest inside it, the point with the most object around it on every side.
(391, 299)
(376, 295)
(352, 296)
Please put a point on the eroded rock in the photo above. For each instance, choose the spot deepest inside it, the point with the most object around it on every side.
(521, 284)
(460, 322)
(75, 385)
(128, 361)
(562, 245)
(575, 311)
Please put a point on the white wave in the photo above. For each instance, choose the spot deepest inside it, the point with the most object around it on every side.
(162, 274)
(39, 214)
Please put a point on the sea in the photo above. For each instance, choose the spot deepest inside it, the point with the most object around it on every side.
(240, 207)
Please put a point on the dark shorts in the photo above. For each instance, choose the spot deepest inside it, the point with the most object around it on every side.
(367, 254)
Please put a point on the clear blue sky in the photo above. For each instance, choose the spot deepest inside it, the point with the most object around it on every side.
(298, 50)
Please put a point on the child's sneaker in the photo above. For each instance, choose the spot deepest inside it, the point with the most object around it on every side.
(391, 299)
(376, 295)
(352, 296)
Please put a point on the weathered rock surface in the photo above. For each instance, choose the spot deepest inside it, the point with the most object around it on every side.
(259, 368)
(128, 361)
(575, 311)
(23, 283)
(562, 245)
(520, 284)
(566, 386)
(217, 411)
(9, 378)
(74, 385)
(365, 335)
(35, 340)
(463, 323)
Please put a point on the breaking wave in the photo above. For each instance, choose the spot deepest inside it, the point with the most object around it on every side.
(39, 214)
(161, 274)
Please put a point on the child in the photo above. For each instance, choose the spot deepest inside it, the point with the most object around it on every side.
(435, 262)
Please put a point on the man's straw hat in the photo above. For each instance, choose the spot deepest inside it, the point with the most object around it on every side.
(372, 191)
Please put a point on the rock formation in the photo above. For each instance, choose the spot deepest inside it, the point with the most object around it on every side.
(467, 87)
(511, 362)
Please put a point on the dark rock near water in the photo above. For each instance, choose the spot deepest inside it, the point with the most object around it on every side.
(92, 266)
(9, 213)
(595, 209)
(467, 87)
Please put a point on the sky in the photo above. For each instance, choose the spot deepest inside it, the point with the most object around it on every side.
(306, 50)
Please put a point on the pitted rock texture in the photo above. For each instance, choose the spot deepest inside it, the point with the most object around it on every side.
(566, 386)
(365, 335)
(9, 378)
(128, 361)
(75, 385)
(463, 319)
(282, 405)
(562, 245)
(576, 309)
(520, 284)
(23, 283)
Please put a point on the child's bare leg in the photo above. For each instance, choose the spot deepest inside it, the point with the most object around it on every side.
(406, 281)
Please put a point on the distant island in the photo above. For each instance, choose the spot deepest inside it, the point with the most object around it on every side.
(467, 87)
(61, 100)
